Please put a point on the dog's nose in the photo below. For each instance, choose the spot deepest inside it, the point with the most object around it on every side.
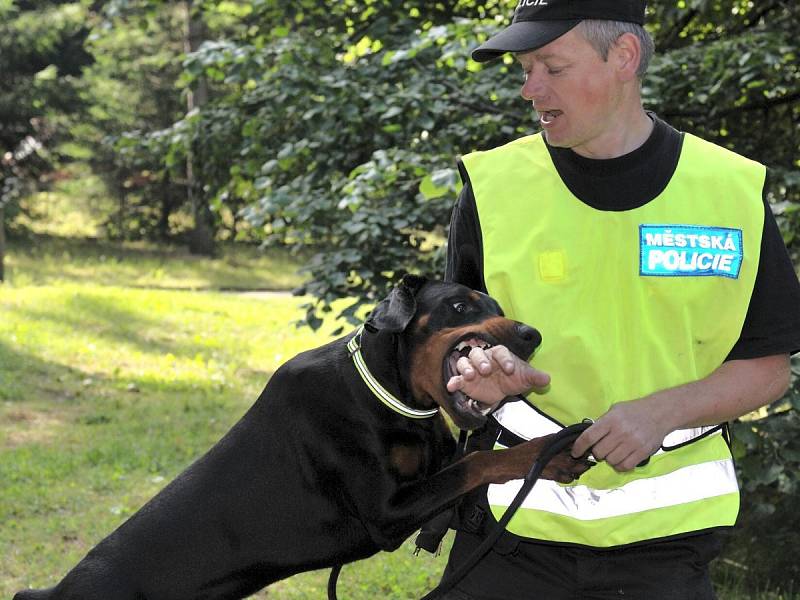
(528, 334)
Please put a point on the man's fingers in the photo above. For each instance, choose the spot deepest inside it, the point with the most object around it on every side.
(587, 440)
(491, 375)
(479, 358)
(512, 364)
(466, 368)
(507, 360)
(535, 377)
(617, 457)
(618, 454)
(455, 383)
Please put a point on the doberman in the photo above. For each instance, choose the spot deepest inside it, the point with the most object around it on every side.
(328, 466)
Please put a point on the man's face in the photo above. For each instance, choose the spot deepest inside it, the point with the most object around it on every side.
(576, 95)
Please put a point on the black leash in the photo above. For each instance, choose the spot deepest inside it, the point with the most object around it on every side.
(560, 440)
(334, 577)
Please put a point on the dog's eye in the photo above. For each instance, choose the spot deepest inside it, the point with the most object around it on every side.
(460, 307)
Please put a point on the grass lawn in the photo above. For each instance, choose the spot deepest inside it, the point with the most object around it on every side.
(40, 259)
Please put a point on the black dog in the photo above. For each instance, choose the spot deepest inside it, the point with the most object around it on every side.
(322, 470)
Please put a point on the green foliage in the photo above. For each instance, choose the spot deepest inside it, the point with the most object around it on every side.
(339, 143)
(41, 56)
(325, 116)
(728, 72)
(130, 91)
(304, 97)
(767, 453)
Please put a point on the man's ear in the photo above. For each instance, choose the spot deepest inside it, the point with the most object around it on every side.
(395, 312)
(627, 54)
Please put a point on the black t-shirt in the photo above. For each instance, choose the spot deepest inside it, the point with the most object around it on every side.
(772, 324)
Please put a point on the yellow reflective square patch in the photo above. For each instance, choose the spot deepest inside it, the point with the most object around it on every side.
(552, 265)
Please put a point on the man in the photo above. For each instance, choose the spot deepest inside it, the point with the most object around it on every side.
(651, 263)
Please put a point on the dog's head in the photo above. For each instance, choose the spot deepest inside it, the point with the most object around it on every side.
(436, 323)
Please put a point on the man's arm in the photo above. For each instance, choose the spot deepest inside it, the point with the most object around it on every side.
(464, 244)
(631, 431)
(755, 373)
(494, 374)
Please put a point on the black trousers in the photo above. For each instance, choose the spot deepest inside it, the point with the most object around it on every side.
(666, 570)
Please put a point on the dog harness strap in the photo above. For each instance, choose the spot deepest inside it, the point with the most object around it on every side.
(384, 395)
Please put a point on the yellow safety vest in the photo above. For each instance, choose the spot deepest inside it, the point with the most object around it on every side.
(628, 303)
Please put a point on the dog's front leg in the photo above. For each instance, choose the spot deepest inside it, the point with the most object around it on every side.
(392, 518)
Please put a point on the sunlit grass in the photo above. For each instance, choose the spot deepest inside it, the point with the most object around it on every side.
(76, 203)
(40, 260)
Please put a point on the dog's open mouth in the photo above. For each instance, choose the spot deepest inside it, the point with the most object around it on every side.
(461, 401)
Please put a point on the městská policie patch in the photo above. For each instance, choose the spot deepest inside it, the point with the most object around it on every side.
(689, 251)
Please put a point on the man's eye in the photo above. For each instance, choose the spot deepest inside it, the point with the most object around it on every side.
(460, 307)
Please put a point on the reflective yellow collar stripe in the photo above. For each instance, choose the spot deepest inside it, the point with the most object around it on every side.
(354, 346)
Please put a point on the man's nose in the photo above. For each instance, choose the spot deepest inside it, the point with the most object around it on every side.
(533, 88)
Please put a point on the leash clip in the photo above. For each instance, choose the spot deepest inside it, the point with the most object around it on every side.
(436, 553)
(590, 457)
(354, 345)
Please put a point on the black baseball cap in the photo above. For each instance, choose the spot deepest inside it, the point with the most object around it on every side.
(538, 22)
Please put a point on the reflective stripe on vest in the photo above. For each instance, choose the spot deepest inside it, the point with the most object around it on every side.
(695, 482)
(526, 422)
(628, 303)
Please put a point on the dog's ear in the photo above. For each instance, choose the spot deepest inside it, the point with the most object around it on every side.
(395, 312)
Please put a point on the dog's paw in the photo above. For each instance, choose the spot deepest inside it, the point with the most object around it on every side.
(563, 468)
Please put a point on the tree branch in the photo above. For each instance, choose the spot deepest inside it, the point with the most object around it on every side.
(765, 105)
(457, 98)
(675, 32)
(756, 18)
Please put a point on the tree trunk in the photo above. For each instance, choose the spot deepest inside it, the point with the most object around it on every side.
(201, 238)
(2, 242)
(123, 203)
(165, 195)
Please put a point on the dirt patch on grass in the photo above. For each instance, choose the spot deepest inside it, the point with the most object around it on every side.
(22, 426)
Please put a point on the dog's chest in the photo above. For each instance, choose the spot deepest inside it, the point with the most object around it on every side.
(416, 455)
(408, 460)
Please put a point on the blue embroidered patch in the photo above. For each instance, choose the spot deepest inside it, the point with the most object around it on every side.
(690, 251)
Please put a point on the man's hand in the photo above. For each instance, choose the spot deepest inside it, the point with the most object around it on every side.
(492, 374)
(625, 436)
(631, 431)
